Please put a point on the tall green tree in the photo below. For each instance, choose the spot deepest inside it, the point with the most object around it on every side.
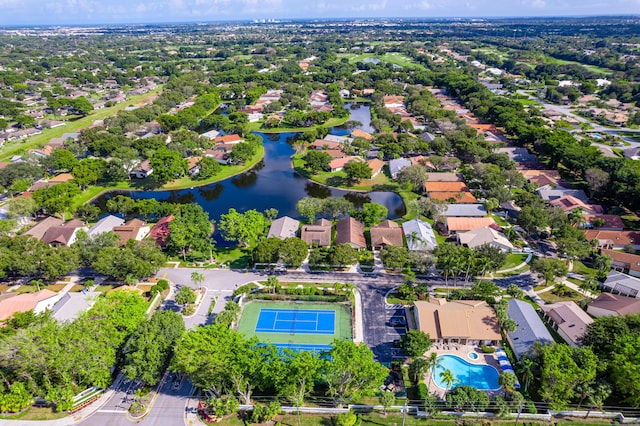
(167, 165)
(352, 372)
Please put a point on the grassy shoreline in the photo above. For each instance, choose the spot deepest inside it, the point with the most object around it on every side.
(93, 192)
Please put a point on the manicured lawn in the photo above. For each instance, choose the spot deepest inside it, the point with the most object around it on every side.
(235, 257)
(513, 260)
(569, 296)
(499, 220)
(256, 126)
(40, 413)
(582, 269)
(18, 147)
(339, 179)
(593, 68)
(527, 102)
(391, 57)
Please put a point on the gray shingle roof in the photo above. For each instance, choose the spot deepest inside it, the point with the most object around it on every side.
(530, 327)
(624, 284)
(398, 164)
(105, 224)
(284, 227)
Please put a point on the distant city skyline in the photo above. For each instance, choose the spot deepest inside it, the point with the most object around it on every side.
(78, 12)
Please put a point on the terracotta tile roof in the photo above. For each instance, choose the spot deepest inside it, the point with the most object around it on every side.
(541, 177)
(376, 166)
(62, 234)
(23, 303)
(625, 260)
(3, 164)
(228, 139)
(321, 144)
(160, 231)
(318, 233)
(422, 160)
(458, 319)
(569, 203)
(339, 163)
(350, 231)
(193, 162)
(445, 186)
(462, 224)
(387, 233)
(458, 197)
(61, 178)
(615, 238)
(610, 220)
(334, 153)
(357, 133)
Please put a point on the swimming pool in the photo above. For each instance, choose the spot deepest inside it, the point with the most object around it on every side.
(483, 377)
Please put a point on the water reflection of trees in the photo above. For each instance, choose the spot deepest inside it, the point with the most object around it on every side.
(211, 193)
(181, 197)
(245, 180)
(357, 199)
(317, 191)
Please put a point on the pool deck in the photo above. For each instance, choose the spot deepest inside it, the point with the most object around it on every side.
(461, 351)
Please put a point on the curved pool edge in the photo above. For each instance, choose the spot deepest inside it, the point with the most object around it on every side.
(435, 381)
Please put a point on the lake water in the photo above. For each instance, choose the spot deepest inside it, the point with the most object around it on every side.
(272, 183)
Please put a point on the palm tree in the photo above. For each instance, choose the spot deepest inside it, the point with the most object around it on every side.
(576, 217)
(507, 380)
(527, 370)
(432, 363)
(448, 379)
(414, 238)
(197, 277)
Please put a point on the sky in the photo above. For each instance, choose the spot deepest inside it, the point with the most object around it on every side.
(60, 12)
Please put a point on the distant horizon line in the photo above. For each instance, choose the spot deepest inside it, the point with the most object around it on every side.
(282, 20)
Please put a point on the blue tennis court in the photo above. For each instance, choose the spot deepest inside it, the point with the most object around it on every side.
(294, 321)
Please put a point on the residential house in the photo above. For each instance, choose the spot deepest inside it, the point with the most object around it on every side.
(529, 330)
(211, 134)
(454, 225)
(464, 210)
(444, 177)
(426, 136)
(612, 222)
(135, 229)
(40, 228)
(569, 203)
(568, 319)
(619, 283)
(38, 302)
(542, 177)
(63, 235)
(624, 262)
(339, 139)
(463, 197)
(193, 166)
(351, 231)
(283, 227)
(106, 224)
(614, 240)
(467, 322)
(357, 133)
(548, 193)
(421, 160)
(386, 233)
(325, 145)
(71, 305)
(161, 231)
(228, 139)
(518, 155)
(376, 166)
(221, 156)
(445, 187)
(396, 165)
(419, 235)
(613, 304)
(318, 234)
(143, 171)
(485, 236)
(339, 163)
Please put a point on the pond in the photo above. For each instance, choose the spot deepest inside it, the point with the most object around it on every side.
(272, 183)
